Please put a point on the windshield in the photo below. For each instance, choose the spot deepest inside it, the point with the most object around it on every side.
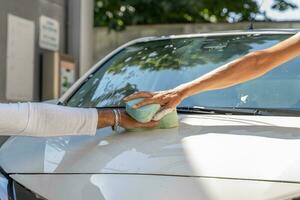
(164, 64)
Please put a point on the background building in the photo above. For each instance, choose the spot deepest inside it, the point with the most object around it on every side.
(34, 31)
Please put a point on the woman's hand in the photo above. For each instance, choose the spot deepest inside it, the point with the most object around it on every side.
(107, 118)
(168, 100)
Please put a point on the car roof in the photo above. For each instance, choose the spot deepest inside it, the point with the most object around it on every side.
(217, 33)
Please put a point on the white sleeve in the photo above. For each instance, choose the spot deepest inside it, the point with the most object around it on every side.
(13, 118)
(45, 120)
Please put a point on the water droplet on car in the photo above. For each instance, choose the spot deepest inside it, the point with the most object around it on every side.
(128, 59)
(95, 81)
(153, 54)
(244, 98)
(103, 143)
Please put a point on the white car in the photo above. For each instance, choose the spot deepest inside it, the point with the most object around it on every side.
(239, 143)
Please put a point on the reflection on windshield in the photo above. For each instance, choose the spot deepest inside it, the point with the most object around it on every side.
(3, 188)
(164, 64)
(178, 54)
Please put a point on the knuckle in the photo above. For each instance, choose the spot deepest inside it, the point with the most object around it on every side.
(142, 92)
(141, 103)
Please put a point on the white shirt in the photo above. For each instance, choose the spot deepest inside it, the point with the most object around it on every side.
(43, 120)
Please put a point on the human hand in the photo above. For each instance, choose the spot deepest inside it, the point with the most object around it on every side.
(167, 99)
(128, 122)
(107, 118)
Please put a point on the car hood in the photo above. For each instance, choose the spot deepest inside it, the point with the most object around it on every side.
(244, 147)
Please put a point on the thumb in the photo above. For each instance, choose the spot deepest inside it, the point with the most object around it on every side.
(160, 114)
(151, 124)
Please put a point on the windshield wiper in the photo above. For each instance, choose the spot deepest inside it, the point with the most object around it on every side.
(219, 110)
(239, 111)
(278, 111)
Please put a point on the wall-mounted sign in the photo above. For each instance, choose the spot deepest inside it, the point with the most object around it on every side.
(49, 33)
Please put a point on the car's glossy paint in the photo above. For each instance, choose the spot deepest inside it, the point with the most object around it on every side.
(143, 187)
(245, 147)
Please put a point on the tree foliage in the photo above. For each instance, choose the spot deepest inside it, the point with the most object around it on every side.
(116, 14)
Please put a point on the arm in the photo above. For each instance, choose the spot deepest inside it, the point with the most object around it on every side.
(106, 118)
(46, 120)
(248, 67)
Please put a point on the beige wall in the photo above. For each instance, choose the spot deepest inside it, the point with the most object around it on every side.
(105, 42)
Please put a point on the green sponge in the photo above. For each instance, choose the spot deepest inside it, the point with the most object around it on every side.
(143, 114)
(169, 121)
(146, 113)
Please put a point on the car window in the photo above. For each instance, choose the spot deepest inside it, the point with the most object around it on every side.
(164, 64)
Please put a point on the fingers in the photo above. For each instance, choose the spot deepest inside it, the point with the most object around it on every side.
(170, 107)
(160, 114)
(151, 124)
(138, 95)
(143, 103)
(128, 122)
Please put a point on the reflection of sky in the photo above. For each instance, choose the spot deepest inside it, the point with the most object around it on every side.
(128, 160)
(54, 153)
(266, 44)
(3, 188)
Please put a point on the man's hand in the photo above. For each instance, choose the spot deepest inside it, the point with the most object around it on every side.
(107, 118)
(128, 122)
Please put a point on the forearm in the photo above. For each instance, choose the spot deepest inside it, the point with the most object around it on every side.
(233, 73)
(248, 67)
(45, 120)
(105, 118)
(13, 118)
